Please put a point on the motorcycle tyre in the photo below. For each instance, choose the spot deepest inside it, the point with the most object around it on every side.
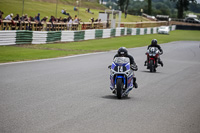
(151, 66)
(119, 88)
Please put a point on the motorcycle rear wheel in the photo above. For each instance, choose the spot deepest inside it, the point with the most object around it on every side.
(152, 66)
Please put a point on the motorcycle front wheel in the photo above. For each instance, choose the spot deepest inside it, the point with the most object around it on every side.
(119, 88)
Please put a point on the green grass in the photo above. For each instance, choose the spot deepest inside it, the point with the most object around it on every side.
(48, 8)
(32, 52)
(13, 54)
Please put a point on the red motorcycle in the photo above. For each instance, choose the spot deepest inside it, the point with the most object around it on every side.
(152, 58)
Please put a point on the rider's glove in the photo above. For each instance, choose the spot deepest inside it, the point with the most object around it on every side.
(109, 66)
(134, 67)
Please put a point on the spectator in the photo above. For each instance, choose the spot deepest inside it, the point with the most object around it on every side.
(59, 19)
(9, 17)
(44, 28)
(76, 21)
(92, 20)
(24, 18)
(64, 12)
(44, 19)
(1, 15)
(69, 25)
(31, 19)
(16, 18)
(96, 20)
(75, 17)
(68, 19)
(88, 10)
(75, 8)
(52, 19)
(65, 19)
(37, 18)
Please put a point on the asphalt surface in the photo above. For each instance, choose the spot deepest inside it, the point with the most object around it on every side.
(72, 95)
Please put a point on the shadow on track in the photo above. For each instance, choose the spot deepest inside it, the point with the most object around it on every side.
(146, 71)
(113, 97)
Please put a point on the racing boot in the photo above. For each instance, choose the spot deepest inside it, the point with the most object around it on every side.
(145, 63)
(134, 82)
(160, 62)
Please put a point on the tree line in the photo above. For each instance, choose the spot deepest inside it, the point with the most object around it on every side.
(173, 8)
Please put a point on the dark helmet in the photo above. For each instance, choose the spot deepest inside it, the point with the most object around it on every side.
(154, 42)
(122, 51)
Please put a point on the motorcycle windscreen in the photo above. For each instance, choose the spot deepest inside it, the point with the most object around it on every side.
(121, 60)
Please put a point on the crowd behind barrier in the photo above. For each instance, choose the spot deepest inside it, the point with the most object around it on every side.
(48, 26)
(30, 23)
(25, 22)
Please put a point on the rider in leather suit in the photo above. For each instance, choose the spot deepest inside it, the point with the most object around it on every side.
(154, 43)
(122, 52)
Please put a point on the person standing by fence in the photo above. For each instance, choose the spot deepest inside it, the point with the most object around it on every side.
(9, 17)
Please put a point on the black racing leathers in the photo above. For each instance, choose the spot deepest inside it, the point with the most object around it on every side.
(133, 66)
(157, 46)
(161, 52)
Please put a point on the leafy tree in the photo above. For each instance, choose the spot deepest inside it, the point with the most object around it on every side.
(127, 3)
(194, 7)
(149, 7)
(182, 5)
(121, 4)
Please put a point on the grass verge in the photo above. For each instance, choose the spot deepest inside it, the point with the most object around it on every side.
(32, 52)
(48, 8)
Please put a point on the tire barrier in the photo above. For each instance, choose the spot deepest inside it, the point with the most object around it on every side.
(42, 37)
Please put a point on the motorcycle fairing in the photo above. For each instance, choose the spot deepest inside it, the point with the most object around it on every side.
(120, 69)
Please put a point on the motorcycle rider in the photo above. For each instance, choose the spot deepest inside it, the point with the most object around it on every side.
(123, 52)
(154, 43)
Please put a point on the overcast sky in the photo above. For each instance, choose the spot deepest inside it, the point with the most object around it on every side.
(198, 1)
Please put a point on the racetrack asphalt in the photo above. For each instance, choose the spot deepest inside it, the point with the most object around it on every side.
(72, 95)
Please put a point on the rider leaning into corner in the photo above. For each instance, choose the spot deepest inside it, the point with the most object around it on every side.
(154, 43)
(123, 52)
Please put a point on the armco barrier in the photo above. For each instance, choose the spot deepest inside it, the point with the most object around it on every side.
(43, 37)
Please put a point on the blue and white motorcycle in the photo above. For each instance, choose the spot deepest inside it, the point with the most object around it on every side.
(121, 77)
